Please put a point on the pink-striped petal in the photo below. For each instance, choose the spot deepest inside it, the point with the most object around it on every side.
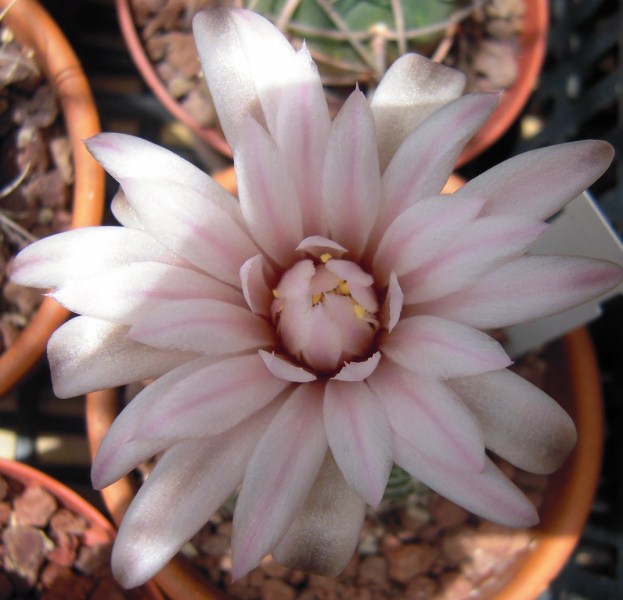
(351, 180)
(358, 370)
(199, 399)
(317, 245)
(521, 423)
(540, 182)
(88, 354)
(123, 294)
(359, 437)
(279, 477)
(123, 212)
(302, 131)
(258, 282)
(205, 326)
(325, 533)
(191, 225)
(429, 415)
(392, 307)
(267, 194)
(528, 288)
(442, 349)
(420, 233)
(128, 157)
(79, 253)
(208, 471)
(412, 89)
(421, 166)
(487, 243)
(247, 65)
(488, 494)
(282, 368)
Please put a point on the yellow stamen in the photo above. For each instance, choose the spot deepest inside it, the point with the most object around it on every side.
(325, 258)
(275, 293)
(317, 298)
(360, 311)
(343, 288)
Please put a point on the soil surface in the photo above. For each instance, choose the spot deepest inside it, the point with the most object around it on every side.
(36, 174)
(49, 551)
(484, 46)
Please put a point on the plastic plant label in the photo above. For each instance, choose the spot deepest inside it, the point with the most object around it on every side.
(580, 229)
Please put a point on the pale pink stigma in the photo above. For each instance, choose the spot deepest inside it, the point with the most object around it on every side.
(325, 312)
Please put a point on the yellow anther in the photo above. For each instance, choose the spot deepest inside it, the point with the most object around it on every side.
(343, 288)
(360, 311)
(325, 258)
(275, 293)
(317, 298)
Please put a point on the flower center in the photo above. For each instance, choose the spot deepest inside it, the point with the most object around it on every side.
(326, 312)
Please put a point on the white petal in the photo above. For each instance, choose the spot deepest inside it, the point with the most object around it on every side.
(392, 307)
(257, 282)
(540, 182)
(324, 535)
(55, 260)
(358, 370)
(247, 64)
(527, 288)
(123, 212)
(279, 477)
(123, 294)
(198, 399)
(420, 233)
(521, 423)
(359, 437)
(282, 368)
(430, 415)
(302, 131)
(424, 161)
(88, 354)
(486, 244)
(128, 157)
(488, 494)
(200, 325)
(191, 225)
(413, 88)
(351, 181)
(207, 472)
(317, 245)
(267, 194)
(442, 349)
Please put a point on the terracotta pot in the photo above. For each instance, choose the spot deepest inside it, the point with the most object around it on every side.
(533, 45)
(532, 42)
(574, 382)
(563, 516)
(103, 530)
(33, 27)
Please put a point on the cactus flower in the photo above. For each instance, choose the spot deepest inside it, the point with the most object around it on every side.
(328, 323)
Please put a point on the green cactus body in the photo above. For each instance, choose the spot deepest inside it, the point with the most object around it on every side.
(355, 40)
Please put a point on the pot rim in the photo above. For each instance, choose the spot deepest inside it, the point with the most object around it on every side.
(532, 42)
(34, 27)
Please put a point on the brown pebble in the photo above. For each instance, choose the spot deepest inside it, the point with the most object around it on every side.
(273, 569)
(410, 560)
(459, 544)
(372, 571)
(276, 589)
(34, 507)
(108, 589)
(421, 588)
(446, 513)
(26, 547)
(66, 521)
